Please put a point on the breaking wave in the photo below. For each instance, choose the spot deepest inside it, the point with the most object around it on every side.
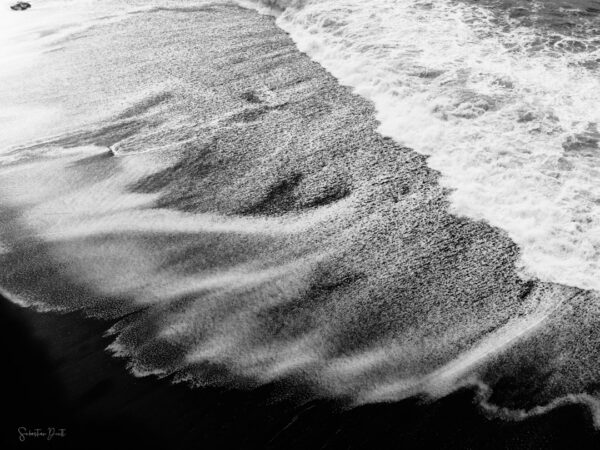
(503, 97)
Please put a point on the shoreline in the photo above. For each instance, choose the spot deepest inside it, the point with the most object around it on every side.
(62, 371)
(272, 91)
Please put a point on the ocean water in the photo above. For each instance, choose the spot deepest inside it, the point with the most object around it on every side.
(155, 169)
(502, 94)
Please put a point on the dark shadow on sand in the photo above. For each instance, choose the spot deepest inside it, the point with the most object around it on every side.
(56, 373)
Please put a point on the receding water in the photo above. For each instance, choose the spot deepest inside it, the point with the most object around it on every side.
(180, 167)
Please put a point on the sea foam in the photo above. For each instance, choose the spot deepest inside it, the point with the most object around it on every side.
(506, 110)
(234, 209)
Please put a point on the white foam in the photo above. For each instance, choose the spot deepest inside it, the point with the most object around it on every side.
(58, 212)
(592, 402)
(493, 115)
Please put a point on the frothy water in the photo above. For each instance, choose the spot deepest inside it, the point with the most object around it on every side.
(178, 166)
(503, 96)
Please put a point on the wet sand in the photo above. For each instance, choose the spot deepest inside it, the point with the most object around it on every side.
(284, 138)
(61, 376)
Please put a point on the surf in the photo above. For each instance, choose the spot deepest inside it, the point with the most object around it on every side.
(505, 108)
(238, 215)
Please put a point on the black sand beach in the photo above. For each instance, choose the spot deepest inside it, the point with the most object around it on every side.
(283, 139)
(62, 377)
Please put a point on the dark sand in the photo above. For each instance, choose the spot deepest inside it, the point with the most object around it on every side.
(288, 139)
(60, 376)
